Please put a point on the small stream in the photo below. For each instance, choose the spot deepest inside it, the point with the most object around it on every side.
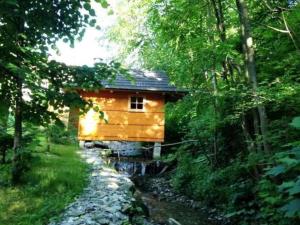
(160, 211)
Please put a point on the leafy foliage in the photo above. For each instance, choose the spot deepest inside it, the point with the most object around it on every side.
(32, 86)
(245, 125)
(279, 189)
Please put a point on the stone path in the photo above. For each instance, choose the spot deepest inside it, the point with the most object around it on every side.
(104, 200)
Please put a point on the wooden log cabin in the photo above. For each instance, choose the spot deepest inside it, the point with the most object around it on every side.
(133, 110)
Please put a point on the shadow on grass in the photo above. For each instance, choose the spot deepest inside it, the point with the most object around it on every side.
(52, 182)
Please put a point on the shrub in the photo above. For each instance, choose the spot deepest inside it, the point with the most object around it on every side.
(279, 190)
(57, 134)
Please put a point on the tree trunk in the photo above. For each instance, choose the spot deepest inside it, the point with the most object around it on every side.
(73, 120)
(249, 55)
(247, 136)
(16, 173)
(17, 166)
(217, 5)
(256, 130)
(3, 151)
(220, 24)
(214, 83)
(216, 113)
(4, 111)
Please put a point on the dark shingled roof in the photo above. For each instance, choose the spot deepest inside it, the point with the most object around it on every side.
(143, 81)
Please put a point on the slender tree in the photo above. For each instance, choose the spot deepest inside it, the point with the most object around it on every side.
(249, 55)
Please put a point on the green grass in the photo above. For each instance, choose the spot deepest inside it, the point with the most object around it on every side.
(54, 179)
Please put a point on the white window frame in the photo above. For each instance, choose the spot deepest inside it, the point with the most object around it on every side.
(136, 103)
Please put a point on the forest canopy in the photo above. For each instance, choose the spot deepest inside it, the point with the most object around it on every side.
(240, 60)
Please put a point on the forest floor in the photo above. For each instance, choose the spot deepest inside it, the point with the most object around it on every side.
(51, 183)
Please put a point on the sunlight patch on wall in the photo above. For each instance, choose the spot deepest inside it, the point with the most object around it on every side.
(89, 122)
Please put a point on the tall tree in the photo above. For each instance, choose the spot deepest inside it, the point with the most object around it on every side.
(27, 28)
(249, 55)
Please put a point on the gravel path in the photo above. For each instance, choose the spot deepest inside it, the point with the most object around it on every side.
(105, 198)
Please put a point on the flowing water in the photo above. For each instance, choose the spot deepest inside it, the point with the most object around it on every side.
(160, 211)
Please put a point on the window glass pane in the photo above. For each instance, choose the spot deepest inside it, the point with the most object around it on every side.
(133, 99)
(140, 99)
(133, 106)
(140, 106)
(136, 102)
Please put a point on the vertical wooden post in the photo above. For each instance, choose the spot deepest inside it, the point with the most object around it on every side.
(157, 150)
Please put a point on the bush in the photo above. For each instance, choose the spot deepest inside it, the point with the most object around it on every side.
(195, 177)
(21, 164)
(57, 134)
(279, 190)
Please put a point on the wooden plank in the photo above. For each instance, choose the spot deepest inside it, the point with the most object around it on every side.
(134, 118)
(122, 104)
(123, 118)
(122, 131)
(120, 100)
(115, 138)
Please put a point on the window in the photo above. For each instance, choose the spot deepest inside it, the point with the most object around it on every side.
(136, 103)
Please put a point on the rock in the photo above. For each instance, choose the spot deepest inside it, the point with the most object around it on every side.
(103, 221)
(88, 145)
(100, 144)
(124, 148)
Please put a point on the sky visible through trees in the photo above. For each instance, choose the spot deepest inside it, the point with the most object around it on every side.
(95, 43)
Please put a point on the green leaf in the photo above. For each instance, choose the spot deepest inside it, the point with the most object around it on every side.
(103, 3)
(110, 12)
(295, 189)
(101, 115)
(92, 12)
(291, 208)
(11, 2)
(275, 171)
(87, 6)
(296, 152)
(286, 185)
(288, 161)
(92, 22)
(296, 122)
(96, 108)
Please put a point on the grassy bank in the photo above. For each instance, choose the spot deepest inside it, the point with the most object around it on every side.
(54, 179)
